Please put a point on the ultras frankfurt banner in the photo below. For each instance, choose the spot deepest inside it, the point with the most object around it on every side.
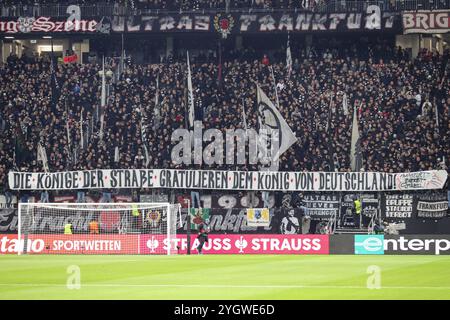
(223, 23)
(227, 180)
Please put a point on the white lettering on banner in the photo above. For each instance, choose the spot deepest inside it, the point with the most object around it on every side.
(436, 206)
(321, 206)
(432, 209)
(285, 244)
(85, 245)
(8, 245)
(399, 205)
(432, 205)
(46, 24)
(423, 21)
(227, 180)
(372, 19)
(245, 244)
(416, 245)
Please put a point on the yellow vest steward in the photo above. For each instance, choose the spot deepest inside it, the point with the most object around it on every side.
(68, 228)
(134, 210)
(358, 206)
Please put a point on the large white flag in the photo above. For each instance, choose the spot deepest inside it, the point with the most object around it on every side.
(355, 148)
(271, 118)
(190, 94)
(103, 98)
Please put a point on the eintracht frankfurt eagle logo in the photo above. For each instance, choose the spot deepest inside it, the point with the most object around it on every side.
(153, 218)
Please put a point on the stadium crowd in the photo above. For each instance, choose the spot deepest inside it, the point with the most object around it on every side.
(179, 4)
(35, 8)
(398, 102)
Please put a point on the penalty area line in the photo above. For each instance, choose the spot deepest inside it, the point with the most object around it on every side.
(219, 286)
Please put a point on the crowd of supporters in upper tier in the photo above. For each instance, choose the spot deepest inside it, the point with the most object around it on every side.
(181, 4)
(26, 6)
(402, 107)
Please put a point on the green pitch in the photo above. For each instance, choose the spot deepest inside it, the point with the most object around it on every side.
(224, 277)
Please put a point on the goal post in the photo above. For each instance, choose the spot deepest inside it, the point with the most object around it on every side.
(98, 228)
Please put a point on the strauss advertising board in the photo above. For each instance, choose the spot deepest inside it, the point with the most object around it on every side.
(246, 244)
(158, 244)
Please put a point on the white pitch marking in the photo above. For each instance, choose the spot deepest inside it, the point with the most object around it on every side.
(215, 286)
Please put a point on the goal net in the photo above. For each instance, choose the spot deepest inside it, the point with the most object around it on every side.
(98, 228)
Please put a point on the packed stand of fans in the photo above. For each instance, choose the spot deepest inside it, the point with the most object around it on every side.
(180, 4)
(21, 7)
(396, 101)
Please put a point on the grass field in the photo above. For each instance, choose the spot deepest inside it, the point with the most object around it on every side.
(224, 277)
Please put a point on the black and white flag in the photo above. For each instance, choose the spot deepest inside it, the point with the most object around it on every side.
(190, 95)
(271, 119)
(288, 58)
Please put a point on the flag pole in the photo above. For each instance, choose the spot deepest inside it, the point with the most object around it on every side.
(157, 111)
(244, 117)
(122, 56)
(219, 73)
(69, 143)
(288, 56)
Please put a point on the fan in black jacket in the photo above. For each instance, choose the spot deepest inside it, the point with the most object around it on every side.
(202, 237)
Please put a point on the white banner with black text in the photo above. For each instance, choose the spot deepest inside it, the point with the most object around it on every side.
(227, 180)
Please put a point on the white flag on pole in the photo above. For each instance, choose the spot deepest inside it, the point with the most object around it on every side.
(81, 131)
(345, 104)
(68, 133)
(102, 122)
(355, 148)
(144, 140)
(271, 118)
(116, 154)
(147, 157)
(42, 156)
(103, 98)
(288, 58)
(244, 118)
(436, 114)
(190, 94)
(157, 111)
